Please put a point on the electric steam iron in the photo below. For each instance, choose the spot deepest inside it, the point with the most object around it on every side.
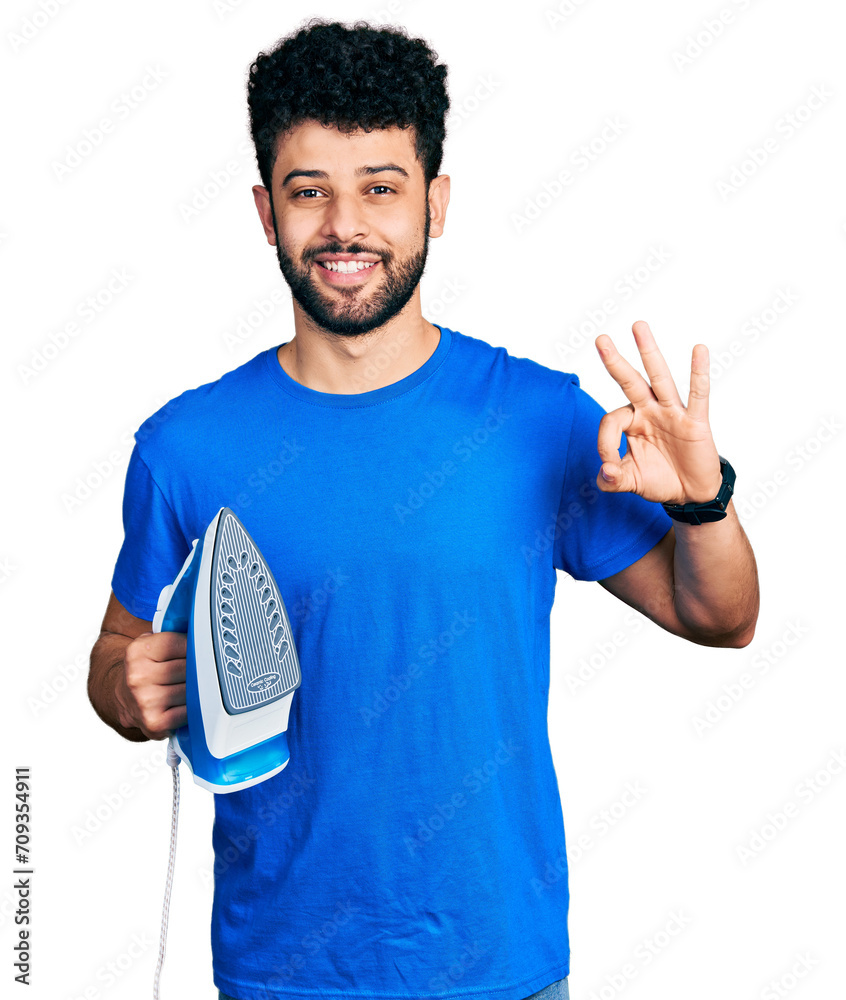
(241, 671)
(241, 663)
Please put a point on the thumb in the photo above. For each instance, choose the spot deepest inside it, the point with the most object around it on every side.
(611, 478)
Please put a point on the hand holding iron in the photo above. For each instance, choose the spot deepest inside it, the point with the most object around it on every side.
(151, 692)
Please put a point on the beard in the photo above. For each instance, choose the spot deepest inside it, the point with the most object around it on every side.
(354, 310)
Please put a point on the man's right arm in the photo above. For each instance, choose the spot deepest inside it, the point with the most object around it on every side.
(136, 678)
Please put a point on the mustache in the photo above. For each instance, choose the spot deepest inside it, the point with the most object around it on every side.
(312, 254)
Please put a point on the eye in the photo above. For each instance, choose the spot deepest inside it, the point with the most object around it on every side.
(311, 191)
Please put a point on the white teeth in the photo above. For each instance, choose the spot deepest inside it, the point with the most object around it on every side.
(346, 266)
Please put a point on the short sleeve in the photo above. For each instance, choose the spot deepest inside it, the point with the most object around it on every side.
(154, 547)
(599, 534)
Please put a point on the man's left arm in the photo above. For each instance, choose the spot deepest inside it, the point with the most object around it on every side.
(700, 581)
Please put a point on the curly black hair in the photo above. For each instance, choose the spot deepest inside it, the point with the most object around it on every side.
(353, 77)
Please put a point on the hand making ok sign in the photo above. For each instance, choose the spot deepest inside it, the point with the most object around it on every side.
(671, 456)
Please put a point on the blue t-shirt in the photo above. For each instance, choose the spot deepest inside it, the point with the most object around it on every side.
(415, 531)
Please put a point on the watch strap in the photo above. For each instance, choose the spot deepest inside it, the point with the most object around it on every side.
(712, 510)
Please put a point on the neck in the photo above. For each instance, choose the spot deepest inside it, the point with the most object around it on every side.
(342, 365)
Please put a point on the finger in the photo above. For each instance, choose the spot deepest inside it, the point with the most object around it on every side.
(170, 673)
(174, 696)
(633, 384)
(656, 367)
(175, 719)
(164, 724)
(611, 429)
(163, 646)
(617, 477)
(700, 383)
(163, 713)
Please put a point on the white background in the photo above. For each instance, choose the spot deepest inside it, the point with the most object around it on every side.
(528, 89)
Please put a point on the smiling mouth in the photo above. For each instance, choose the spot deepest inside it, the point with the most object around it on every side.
(346, 266)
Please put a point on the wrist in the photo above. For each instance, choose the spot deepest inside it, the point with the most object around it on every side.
(697, 513)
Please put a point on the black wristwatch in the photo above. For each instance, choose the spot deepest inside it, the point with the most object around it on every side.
(713, 510)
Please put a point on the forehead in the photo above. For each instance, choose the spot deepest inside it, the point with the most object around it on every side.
(314, 146)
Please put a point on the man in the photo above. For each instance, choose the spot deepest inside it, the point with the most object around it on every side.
(414, 491)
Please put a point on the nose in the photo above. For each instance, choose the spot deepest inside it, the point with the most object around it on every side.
(344, 220)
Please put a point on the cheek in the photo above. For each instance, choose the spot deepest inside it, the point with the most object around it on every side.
(401, 240)
(405, 231)
(296, 234)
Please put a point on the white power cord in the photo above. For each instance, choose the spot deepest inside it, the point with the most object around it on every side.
(173, 761)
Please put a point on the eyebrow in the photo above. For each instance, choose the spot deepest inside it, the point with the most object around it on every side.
(361, 172)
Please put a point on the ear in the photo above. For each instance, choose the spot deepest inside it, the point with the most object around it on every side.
(262, 197)
(438, 201)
